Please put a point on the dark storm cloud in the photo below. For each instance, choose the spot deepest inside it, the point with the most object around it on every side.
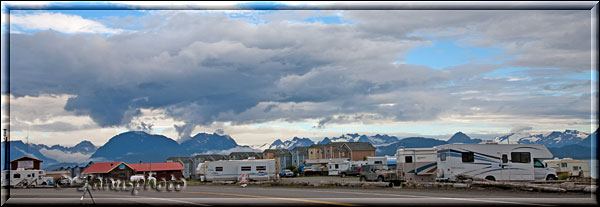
(202, 68)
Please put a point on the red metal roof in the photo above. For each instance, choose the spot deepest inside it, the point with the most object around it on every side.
(157, 166)
(26, 158)
(102, 167)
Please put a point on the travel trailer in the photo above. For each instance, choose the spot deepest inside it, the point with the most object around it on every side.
(417, 164)
(514, 162)
(232, 170)
(336, 167)
(26, 178)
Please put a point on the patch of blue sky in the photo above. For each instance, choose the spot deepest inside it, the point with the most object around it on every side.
(327, 20)
(263, 5)
(105, 17)
(253, 16)
(447, 53)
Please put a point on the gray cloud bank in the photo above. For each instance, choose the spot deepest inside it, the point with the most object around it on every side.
(202, 68)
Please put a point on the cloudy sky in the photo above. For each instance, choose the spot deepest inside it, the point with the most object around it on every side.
(261, 75)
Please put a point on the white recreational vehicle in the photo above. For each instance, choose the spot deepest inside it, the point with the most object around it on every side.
(417, 164)
(493, 161)
(26, 178)
(336, 167)
(231, 170)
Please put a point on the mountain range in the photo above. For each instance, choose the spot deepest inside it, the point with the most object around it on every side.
(53, 155)
(136, 146)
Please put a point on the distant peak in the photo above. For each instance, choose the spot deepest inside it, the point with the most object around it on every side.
(85, 142)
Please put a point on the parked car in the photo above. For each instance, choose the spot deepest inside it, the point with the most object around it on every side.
(286, 173)
(351, 171)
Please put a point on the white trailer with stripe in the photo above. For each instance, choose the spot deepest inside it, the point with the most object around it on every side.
(492, 161)
(417, 164)
(232, 170)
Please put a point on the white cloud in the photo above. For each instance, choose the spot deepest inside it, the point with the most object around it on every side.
(229, 151)
(64, 23)
(61, 156)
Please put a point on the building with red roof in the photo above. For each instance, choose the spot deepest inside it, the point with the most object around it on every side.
(26, 162)
(123, 171)
(106, 170)
(161, 169)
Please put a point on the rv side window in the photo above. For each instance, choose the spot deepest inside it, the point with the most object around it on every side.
(17, 176)
(246, 168)
(378, 162)
(337, 166)
(218, 168)
(443, 156)
(408, 159)
(520, 157)
(504, 158)
(575, 167)
(563, 164)
(261, 167)
(468, 157)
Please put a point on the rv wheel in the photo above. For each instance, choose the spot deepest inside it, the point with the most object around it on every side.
(379, 179)
(343, 175)
(551, 177)
(490, 178)
(363, 179)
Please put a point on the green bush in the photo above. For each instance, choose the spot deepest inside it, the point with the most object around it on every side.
(563, 176)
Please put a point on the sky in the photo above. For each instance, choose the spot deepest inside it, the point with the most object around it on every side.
(261, 75)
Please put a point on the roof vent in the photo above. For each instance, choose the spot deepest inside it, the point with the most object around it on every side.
(111, 164)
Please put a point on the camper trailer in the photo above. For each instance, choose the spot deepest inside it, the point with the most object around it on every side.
(417, 164)
(334, 168)
(514, 162)
(337, 167)
(231, 170)
(26, 178)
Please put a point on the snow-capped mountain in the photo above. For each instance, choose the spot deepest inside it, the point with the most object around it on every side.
(550, 139)
(377, 140)
(290, 144)
(53, 155)
(261, 147)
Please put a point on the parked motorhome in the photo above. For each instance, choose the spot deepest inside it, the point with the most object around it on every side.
(26, 178)
(417, 164)
(572, 168)
(231, 170)
(514, 162)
